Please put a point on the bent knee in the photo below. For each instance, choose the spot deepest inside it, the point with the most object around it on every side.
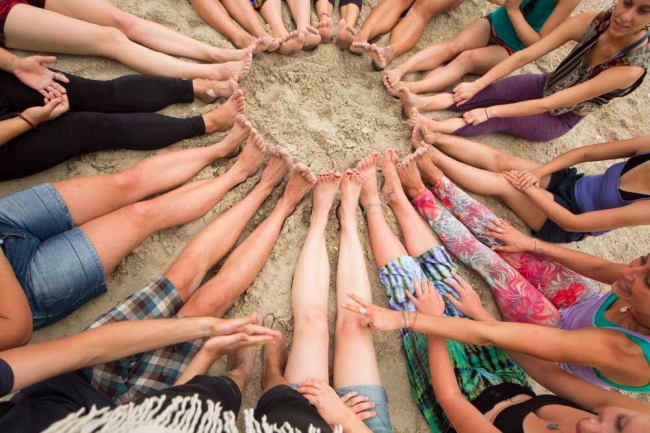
(108, 38)
(349, 324)
(313, 319)
(467, 60)
(125, 22)
(425, 9)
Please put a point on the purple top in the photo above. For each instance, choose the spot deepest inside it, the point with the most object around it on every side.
(601, 191)
(585, 315)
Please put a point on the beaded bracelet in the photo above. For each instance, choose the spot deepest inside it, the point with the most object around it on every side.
(29, 122)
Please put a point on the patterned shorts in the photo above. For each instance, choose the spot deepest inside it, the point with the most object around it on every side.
(134, 377)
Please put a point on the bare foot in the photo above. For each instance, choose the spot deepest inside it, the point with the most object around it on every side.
(415, 118)
(240, 366)
(208, 90)
(292, 42)
(223, 55)
(392, 185)
(302, 180)
(324, 192)
(427, 164)
(223, 118)
(422, 135)
(408, 99)
(360, 47)
(251, 157)
(312, 39)
(325, 28)
(345, 36)
(410, 175)
(273, 356)
(242, 67)
(381, 56)
(350, 191)
(229, 146)
(394, 76)
(367, 167)
(392, 89)
(276, 167)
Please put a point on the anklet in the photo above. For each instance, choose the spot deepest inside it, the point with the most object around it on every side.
(367, 208)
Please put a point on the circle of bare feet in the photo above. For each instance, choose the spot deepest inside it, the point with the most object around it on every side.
(328, 108)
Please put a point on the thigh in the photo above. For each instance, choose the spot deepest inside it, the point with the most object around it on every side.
(475, 35)
(34, 29)
(99, 12)
(481, 60)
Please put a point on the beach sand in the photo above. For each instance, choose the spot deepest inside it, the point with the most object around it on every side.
(329, 108)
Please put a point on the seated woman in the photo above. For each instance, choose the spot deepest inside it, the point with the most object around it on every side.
(225, 14)
(349, 11)
(600, 341)
(113, 375)
(404, 35)
(482, 45)
(61, 240)
(308, 363)
(610, 61)
(305, 37)
(105, 115)
(558, 203)
(97, 28)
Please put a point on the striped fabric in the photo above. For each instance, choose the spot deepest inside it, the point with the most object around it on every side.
(136, 376)
(476, 368)
(572, 72)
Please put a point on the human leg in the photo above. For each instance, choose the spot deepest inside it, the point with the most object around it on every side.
(310, 292)
(148, 33)
(247, 260)
(408, 32)
(350, 10)
(301, 11)
(382, 19)
(325, 27)
(271, 11)
(244, 14)
(215, 14)
(517, 299)
(473, 36)
(60, 34)
(116, 234)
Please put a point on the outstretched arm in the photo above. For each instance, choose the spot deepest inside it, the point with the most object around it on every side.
(38, 362)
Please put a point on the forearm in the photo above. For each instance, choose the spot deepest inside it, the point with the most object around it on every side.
(504, 68)
(12, 128)
(527, 35)
(7, 60)
(518, 109)
(199, 365)
(443, 378)
(566, 160)
(353, 425)
(32, 364)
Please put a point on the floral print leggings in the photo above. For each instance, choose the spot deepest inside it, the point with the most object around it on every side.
(527, 287)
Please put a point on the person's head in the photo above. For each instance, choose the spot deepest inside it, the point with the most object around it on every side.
(633, 286)
(629, 17)
(613, 419)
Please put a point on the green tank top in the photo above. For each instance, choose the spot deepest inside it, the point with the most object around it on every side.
(601, 322)
(536, 15)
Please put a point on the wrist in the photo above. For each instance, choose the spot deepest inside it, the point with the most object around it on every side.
(29, 120)
(10, 66)
(209, 326)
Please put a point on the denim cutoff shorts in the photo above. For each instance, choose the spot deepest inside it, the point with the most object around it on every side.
(376, 394)
(54, 261)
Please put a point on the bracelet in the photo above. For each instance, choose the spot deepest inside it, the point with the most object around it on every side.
(370, 205)
(535, 247)
(29, 122)
(405, 321)
(410, 327)
(486, 113)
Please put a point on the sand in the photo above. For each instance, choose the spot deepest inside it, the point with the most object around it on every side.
(329, 108)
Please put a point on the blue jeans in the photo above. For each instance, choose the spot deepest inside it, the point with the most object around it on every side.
(54, 260)
(376, 394)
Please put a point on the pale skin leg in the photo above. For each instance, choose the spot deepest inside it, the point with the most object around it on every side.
(60, 34)
(346, 32)
(325, 25)
(310, 292)
(152, 35)
(88, 198)
(355, 361)
(475, 35)
(301, 10)
(247, 260)
(381, 20)
(215, 14)
(444, 126)
(291, 41)
(408, 32)
(116, 234)
(214, 241)
(244, 14)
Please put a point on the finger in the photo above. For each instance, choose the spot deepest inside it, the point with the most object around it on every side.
(358, 400)
(229, 326)
(359, 300)
(349, 395)
(418, 290)
(51, 105)
(61, 77)
(354, 308)
(462, 281)
(411, 297)
(363, 407)
(366, 415)
(311, 399)
(504, 249)
(308, 390)
(44, 93)
(315, 383)
(59, 88)
(430, 286)
(255, 329)
(45, 59)
(452, 300)
(56, 93)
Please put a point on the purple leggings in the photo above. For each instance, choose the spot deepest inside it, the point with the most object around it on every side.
(524, 87)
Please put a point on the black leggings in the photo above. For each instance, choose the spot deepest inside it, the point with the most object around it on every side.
(342, 3)
(104, 115)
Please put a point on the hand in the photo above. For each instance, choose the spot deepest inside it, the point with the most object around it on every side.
(216, 347)
(32, 72)
(428, 300)
(465, 91)
(514, 240)
(515, 178)
(247, 325)
(360, 405)
(326, 401)
(476, 117)
(512, 5)
(375, 318)
(52, 109)
(469, 302)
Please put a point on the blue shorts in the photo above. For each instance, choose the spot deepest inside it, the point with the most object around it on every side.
(376, 394)
(55, 262)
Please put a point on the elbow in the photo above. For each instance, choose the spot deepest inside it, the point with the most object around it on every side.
(570, 224)
(16, 336)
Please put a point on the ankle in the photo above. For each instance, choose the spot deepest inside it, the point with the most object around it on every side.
(240, 379)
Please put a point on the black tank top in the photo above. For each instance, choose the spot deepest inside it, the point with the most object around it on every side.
(635, 161)
(511, 419)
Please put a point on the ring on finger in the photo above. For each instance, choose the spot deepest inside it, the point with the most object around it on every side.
(499, 230)
(362, 311)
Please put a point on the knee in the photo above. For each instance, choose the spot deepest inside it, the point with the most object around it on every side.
(128, 182)
(125, 22)
(425, 9)
(466, 60)
(348, 325)
(143, 213)
(456, 47)
(109, 38)
(187, 272)
(502, 162)
(312, 319)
